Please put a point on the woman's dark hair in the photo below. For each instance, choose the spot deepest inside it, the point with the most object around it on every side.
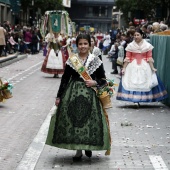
(139, 31)
(93, 39)
(83, 36)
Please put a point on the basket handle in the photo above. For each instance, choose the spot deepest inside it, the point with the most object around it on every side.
(1, 83)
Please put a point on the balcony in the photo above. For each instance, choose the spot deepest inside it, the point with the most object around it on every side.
(5, 2)
(93, 2)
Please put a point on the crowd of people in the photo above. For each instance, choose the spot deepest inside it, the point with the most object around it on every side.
(21, 39)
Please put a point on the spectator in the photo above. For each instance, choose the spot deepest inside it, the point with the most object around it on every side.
(114, 57)
(2, 39)
(13, 43)
(27, 39)
(34, 42)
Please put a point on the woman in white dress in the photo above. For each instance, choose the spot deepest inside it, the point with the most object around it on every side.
(106, 43)
(136, 84)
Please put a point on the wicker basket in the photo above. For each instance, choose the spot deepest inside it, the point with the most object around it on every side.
(6, 94)
(106, 101)
(1, 96)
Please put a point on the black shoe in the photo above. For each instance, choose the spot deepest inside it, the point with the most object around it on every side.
(114, 72)
(56, 76)
(76, 159)
(88, 153)
(137, 105)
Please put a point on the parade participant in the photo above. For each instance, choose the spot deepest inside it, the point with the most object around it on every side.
(73, 43)
(56, 65)
(106, 43)
(80, 121)
(138, 71)
(95, 50)
(99, 37)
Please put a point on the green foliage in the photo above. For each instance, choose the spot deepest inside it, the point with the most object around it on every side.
(147, 6)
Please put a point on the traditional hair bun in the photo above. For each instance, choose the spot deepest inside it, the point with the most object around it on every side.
(139, 31)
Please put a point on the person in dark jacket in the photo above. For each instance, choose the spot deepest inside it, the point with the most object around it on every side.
(34, 43)
(114, 57)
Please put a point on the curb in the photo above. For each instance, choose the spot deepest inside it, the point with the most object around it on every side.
(11, 59)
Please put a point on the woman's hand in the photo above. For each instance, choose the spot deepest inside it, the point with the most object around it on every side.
(90, 83)
(123, 71)
(57, 101)
(154, 69)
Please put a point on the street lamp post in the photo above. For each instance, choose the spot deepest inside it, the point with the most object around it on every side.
(118, 14)
(32, 2)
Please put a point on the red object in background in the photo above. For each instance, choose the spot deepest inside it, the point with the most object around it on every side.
(64, 52)
(138, 21)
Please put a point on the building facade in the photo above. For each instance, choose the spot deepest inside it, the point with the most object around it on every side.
(10, 10)
(92, 13)
(5, 10)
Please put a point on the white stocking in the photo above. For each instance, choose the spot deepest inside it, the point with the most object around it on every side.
(78, 153)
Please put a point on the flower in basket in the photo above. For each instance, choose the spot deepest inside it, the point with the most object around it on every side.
(108, 89)
(5, 90)
(6, 85)
(104, 93)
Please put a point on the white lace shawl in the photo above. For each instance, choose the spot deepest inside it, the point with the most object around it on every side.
(142, 47)
(91, 65)
(96, 51)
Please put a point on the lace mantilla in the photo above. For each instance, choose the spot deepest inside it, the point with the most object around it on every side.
(92, 64)
(96, 51)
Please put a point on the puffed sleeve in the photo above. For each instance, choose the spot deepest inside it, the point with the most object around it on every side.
(100, 76)
(64, 80)
(128, 57)
(149, 56)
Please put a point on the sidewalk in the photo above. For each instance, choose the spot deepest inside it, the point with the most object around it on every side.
(140, 140)
(9, 59)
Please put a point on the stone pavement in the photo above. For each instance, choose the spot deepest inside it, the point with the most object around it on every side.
(140, 140)
(9, 59)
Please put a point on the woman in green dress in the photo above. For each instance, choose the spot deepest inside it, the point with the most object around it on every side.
(80, 122)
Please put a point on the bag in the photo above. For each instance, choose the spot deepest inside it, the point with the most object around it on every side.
(1, 97)
(53, 61)
(154, 80)
(120, 61)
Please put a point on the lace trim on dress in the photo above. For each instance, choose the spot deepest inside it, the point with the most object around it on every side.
(92, 64)
(96, 51)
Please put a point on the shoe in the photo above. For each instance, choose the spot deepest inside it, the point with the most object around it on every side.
(76, 159)
(114, 72)
(137, 105)
(88, 153)
(56, 76)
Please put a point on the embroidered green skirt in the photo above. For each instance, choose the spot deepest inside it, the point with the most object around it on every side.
(79, 122)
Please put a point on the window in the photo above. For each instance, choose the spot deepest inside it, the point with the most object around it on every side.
(96, 11)
(89, 11)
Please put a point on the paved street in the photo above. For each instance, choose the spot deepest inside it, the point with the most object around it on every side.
(140, 137)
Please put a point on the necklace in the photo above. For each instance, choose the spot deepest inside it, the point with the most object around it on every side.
(83, 60)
